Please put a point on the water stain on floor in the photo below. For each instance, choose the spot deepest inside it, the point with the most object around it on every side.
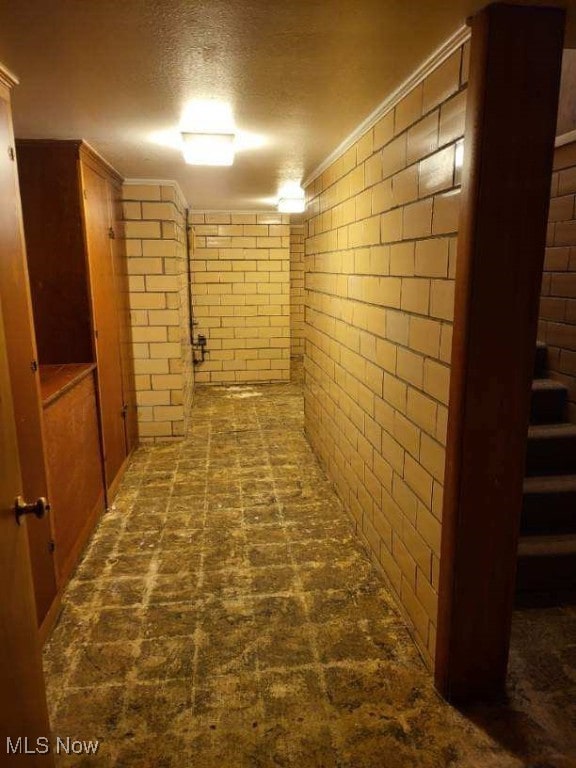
(226, 616)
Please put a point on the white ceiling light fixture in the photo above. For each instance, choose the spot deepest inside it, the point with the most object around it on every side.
(291, 198)
(208, 133)
(291, 204)
(208, 148)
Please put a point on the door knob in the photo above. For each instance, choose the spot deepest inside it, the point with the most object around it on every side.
(40, 508)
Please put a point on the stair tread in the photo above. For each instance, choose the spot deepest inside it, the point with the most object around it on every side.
(550, 484)
(562, 429)
(540, 345)
(547, 545)
(548, 385)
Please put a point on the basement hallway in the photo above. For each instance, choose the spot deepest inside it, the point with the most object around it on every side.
(226, 616)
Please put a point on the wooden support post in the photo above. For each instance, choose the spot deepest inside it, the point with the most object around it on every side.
(509, 141)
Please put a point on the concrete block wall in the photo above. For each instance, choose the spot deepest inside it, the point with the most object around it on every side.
(297, 232)
(382, 222)
(241, 295)
(557, 321)
(155, 230)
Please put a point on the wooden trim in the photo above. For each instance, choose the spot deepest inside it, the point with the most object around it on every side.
(513, 91)
(92, 157)
(69, 374)
(8, 78)
(115, 484)
(73, 145)
(428, 66)
(72, 561)
(49, 621)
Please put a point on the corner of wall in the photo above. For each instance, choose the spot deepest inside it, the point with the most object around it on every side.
(155, 231)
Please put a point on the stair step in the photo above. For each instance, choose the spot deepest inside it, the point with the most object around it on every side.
(546, 564)
(549, 504)
(541, 360)
(547, 546)
(549, 401)
(551, 450)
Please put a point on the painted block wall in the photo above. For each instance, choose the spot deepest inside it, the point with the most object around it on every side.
(557, 321)
(382, 222)
(241, 295)
(297, 232)
(155, 230)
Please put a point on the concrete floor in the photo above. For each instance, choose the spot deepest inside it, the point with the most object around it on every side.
(225, 616)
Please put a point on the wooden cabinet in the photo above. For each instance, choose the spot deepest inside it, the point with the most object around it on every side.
(68, 341)
(78, 279)
(73, 458)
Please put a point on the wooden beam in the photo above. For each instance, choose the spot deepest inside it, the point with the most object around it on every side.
(512, 104)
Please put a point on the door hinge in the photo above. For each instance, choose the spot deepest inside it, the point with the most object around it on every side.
(34, 366)
(11, 153)
(124, 410)
(51, 546)
(111, 234)
(85, 194)
(95, 333)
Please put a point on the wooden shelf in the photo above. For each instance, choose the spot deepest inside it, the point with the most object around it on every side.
(55, 380)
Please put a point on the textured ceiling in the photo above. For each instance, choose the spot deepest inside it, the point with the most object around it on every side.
(301, 74)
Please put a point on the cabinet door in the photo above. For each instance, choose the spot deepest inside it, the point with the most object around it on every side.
(102, 284)
(22, 357)
(124, 325)
(73, 455)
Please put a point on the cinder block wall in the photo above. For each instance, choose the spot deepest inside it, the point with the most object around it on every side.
(557, 326)
(297, 231)
(241, 295)
(380, 264)
(155, 233)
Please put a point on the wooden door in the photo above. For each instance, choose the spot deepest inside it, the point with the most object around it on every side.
(124, 325)
(102, 283)
(22, 357)
(23, 710)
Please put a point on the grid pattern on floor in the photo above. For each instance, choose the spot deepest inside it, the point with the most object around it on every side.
(225, 615)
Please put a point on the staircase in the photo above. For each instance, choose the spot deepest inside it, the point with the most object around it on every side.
(547, 547)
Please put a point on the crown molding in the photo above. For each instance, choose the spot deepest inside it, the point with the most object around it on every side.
(158, 182)
(8, 78)
(240, 211)
(439, 56)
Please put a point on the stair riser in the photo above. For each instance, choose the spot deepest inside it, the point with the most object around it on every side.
(551, 456)
(548, 513)
(548, 406)
(546, 573)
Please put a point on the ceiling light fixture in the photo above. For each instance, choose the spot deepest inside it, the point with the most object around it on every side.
(208, 148)
(291, 204)
(291, 198)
